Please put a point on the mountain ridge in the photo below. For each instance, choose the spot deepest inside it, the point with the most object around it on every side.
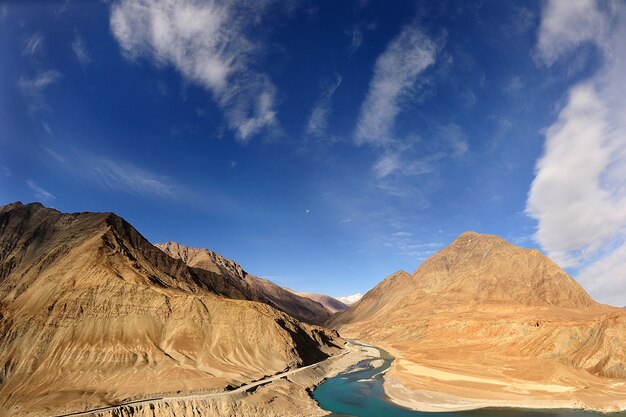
(302, 308)
(479, 306)
(93, 314)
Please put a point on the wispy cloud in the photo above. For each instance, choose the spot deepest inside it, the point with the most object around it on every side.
(451, 140)
(356, 39)
(396, 161)
(33, 46)
(39, 193)
(578, 196)
(117, 175)
(126, 177)
(356, 35)
(80, 51)
(406, 244)
(54, 154)
(317, 123)
(403, 158)
(513, 85)
(396, 73)
(32, 88)
(5, 171)
(209, 43)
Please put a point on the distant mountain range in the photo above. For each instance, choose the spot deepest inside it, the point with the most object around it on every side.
(350, 299)
(298, 305)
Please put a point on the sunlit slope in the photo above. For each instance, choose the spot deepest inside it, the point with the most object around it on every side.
(482, 306)
(300, 307)
(91, 313)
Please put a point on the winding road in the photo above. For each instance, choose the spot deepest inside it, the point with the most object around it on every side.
(192, 397)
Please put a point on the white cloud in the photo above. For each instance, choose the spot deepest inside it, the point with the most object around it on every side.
(209, 44)
(566, 24)
(578, 195)
(32, 88)
(80, 51)
(396, 73)
(606, 278)
(39, 193)
(6, 171)
(317, 123)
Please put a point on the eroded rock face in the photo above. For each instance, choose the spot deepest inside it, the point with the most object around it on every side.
(483, 306)
(91, 313)
(300, 307)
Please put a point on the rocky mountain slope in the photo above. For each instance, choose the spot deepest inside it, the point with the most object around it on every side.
(486, 323)
(92, 314)
(329, 303)
(297, 306)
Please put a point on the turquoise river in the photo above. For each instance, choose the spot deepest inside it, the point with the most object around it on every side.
(359, 392)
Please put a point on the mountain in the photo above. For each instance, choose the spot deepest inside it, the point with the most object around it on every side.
(302, 308)
(329, 303)
(486, 323)
(350, 299)
(92, 314)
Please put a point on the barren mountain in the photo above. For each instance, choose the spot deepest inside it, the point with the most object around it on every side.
(92, 314)
(331, 304)
(297, 306)
(486, 323)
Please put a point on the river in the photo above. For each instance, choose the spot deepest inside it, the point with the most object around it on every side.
(359, 392)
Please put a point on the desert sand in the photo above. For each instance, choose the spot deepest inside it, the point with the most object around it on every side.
(485, 323)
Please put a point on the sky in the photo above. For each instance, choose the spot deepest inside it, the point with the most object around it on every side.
(321, 144)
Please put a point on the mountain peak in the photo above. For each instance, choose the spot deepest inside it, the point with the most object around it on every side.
(478, 268)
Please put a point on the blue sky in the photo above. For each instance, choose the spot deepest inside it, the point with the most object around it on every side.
(325, 145)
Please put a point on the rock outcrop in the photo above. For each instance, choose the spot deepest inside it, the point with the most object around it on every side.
(92, 314)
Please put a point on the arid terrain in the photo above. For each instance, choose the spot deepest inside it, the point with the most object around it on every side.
(92, 314)
(299, 306)
(485, 323)
(95, 318)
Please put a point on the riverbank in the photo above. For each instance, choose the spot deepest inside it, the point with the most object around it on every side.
(283, 395)
(455, 385)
